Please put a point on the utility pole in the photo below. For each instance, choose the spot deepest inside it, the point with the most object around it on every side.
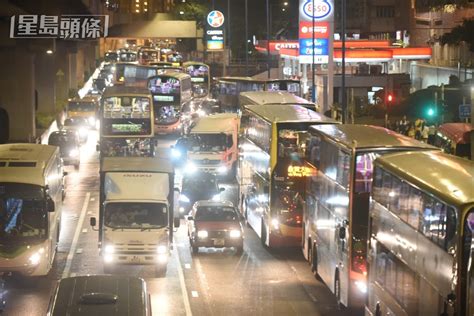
(246, 38)
(313, 85)
(268, 38)
(343, 79)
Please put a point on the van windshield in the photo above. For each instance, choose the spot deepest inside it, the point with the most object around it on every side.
(208, 142)
(136, 215)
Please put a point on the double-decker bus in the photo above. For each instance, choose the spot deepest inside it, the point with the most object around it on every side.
(455, 139)
(337, 202)
(271, 173)
(132, 75)
(171, 92)
(421, 229)
(126, 127)
(31, 194)
(127, 56)
(289, 85)
(227, 89)
(200, 77)
(274, 97)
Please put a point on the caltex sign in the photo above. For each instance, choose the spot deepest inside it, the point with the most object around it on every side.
(214, 35)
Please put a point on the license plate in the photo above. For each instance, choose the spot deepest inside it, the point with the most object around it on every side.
(219, 242)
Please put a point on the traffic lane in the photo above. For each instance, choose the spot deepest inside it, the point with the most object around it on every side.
(258, 282)
(30, 296)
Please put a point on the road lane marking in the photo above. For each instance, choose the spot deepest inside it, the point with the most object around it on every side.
(194, 294)
(187, 266)
(184, 291)
(84, 230)
(92, 199)
(75, 240)
(79, 251)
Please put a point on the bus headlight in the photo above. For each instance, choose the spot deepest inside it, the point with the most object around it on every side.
(361, 286)
(162, 250)
(74, 153)
(109, 249)
(191, 168)
(222, 169)
(35, 258)
(235, 233)
(202, 234)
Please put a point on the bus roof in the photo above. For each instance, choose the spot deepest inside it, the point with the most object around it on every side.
(287, 113)
(124, 293)
(458, 132)
(283, 80)
(235, 79)
(25, 163)
(172, 74)
(449, 177)
(124, 90)
(189, 63)
(274, 97)
(216, 123)
(136, 164)
(368, 137)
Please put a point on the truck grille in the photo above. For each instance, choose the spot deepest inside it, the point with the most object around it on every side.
(206, 162)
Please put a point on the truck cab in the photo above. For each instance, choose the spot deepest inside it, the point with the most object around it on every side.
(213, 145)
(136, 215)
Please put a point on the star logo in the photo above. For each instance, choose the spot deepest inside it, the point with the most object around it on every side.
(215, 18)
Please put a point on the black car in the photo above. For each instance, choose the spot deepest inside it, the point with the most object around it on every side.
(69, 146)
(196, 187)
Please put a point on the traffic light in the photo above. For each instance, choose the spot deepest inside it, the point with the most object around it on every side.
(389, 98)
(431, 112)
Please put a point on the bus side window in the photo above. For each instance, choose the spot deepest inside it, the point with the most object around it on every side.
(414, 207)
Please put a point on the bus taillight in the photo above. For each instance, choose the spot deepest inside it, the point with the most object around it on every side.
(359, 265)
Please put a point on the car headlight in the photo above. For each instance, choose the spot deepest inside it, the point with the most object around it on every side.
(190, 168)
(235, 233)
(201, 112)
(216, 197)
(175, 153)
(275, 223)
(82, 132)
(74, 153)
(361, 286)
(109, 249)
(91, 121)
(181, 209)
(184, 198)
(202, 234)
(222, 169)
(162, 249)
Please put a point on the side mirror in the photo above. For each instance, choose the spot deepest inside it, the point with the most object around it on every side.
(177, 222)
(93, 221)
(342, 232)
(221, 189)
(176, 190)
(190, 218)
(49, 204)
(65, 173)
(97, 148)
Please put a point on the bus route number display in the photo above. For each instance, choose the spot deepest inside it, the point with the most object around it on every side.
(300, 171)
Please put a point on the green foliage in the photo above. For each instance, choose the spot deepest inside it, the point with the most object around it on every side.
(439, 4)
(195, 11)
(461, 33)
(43, 120)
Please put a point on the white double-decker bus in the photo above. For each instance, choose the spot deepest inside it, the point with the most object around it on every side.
(337, 202)
(31, 194)
(421, 229)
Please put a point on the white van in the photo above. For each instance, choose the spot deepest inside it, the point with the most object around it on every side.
(31, 193)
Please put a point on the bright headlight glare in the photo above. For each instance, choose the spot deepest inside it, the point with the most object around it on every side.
(35, 258)
(109, 249)
(183, 198)
(216, 197)
(361, 286)
(175, 153)
(162, 249)
(91, 121)
(108, 258)
(181, 209)
(83, 131)
(74, 153)
(234, 233)
(191, 168)
(222, 169)
(275, 223)
(202, 234)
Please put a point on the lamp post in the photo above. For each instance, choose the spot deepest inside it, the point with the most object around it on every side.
(343, 50)
(246, 39)
(313, 85)
(268, 39)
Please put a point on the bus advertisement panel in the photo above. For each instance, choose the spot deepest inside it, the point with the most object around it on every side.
(288, 85)
(200, 78)
(337, 202)
(132, 75)
(170, 92)
(272, 174)
(421, 247)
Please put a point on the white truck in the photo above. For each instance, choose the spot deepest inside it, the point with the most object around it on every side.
(213, 144)
(136, 214)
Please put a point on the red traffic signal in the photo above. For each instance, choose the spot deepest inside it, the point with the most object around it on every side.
(389, 98)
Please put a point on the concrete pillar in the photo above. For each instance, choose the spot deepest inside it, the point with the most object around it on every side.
(17, 84)
(45, 76)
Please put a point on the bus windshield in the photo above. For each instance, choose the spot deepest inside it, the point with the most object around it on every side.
(127, 107)
(215, 214)
(127, 147)
(128, 57)
(292, 87)
(199, 78)
(291, 144)
(164, 86)
(77, 106)
(135, 215)
(22, 213)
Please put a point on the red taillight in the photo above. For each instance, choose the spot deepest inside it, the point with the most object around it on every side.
(359, 265)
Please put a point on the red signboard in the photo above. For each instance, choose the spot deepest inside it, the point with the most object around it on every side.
(321, 29)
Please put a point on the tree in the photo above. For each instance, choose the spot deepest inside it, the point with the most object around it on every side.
(461, 33)
(425, 5)
(194, 11)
